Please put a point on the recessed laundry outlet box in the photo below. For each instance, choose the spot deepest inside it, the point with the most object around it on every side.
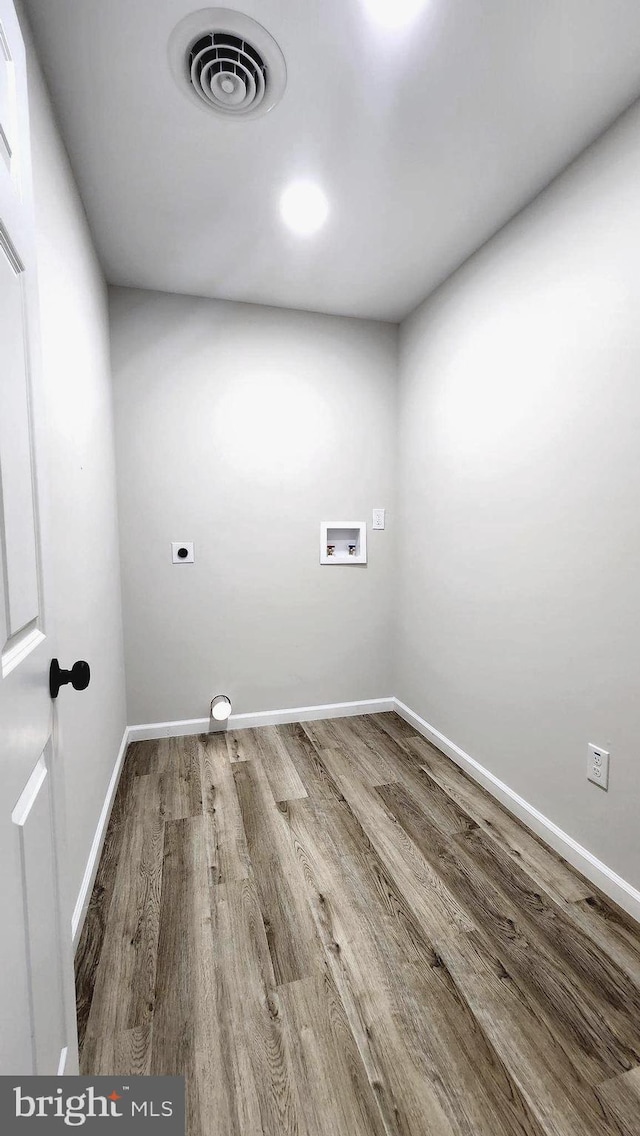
(343, 542)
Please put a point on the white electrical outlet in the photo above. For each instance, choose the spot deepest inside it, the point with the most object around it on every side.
(378, 519)
(598, 766)
(182, 552)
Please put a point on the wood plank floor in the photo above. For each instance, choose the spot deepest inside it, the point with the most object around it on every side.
(332, 931)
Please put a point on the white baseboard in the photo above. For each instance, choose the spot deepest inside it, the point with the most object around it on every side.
(260, 718)
(619, 890)
(88, 880)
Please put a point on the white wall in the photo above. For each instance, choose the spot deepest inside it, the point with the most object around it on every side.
(86, 580)
(242, 428)
(519, 484)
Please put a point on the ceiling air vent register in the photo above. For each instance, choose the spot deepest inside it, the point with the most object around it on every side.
(227, 63)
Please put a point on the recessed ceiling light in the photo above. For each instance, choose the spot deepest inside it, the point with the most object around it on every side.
(394, 13)
(304, 208)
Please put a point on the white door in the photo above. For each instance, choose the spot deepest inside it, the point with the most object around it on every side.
(37, 1028)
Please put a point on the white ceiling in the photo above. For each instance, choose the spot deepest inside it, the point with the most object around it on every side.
(425, 141)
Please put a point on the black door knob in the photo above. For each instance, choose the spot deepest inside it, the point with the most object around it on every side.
(78, 676)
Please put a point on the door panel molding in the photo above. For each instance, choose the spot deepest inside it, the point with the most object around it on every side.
(34, 817)
(20, 540)
(19, 646)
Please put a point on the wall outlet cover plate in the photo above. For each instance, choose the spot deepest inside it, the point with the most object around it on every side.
(598, 766)
(182, 552)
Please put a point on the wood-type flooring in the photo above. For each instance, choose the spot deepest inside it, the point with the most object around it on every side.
(330, 930)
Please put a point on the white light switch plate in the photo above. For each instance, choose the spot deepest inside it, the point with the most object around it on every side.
(182, 552)
(598, 766)
(378, 519)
